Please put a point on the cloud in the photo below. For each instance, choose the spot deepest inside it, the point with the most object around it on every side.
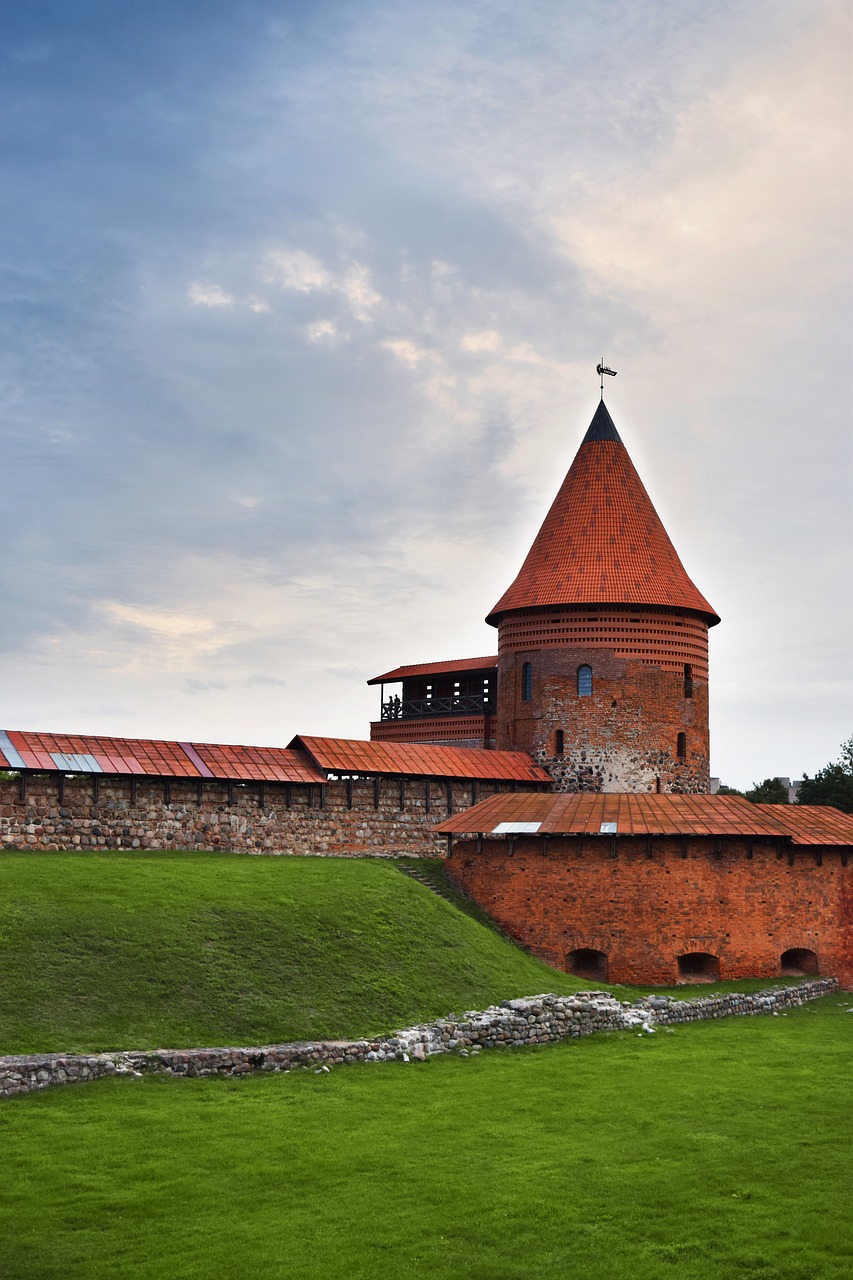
(358, 292)
(209, 295)
(320, 329)
(487, 340)
(295, 269)
(404, 350)
(166, 624)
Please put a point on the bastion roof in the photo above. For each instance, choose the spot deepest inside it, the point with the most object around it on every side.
(649, 814)
(602, 542)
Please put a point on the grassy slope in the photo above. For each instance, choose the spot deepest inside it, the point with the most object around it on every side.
(104, 951)
(714, 1151)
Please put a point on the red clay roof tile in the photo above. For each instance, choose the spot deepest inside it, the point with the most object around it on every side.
(602, 542)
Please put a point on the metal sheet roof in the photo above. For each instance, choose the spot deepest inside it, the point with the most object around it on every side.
(401, 759)
(140, 757)
(561, 814)
(602, 542)
(814, 824)
(436, 669)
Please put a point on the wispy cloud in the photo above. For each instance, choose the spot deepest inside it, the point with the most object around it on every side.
(209, 295)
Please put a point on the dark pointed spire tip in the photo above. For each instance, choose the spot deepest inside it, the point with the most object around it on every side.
(602, 427)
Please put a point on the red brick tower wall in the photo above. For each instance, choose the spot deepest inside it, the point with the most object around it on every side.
(649, 685)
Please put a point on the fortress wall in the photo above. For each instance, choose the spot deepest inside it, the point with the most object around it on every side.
(643, 903)
(316, 820)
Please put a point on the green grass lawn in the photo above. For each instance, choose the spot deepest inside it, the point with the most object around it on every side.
(713, 1151)
(132, 950)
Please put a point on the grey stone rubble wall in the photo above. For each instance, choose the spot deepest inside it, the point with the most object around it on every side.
(345, 819)
(532, 1020)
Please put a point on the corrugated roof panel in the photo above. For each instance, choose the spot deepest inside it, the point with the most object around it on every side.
(262, 764)
(11, 755)
(195, 759)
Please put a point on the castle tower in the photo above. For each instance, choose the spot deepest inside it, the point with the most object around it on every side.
(603, 638)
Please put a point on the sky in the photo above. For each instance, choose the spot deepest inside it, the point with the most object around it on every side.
(301, 305)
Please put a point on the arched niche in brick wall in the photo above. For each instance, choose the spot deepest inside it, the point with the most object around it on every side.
(698, 966)
(798, 962)
(586, 962)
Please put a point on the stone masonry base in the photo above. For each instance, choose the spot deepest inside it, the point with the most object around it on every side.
(543, 1019)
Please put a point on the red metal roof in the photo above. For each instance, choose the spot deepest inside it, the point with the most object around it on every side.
(602, 542)
(436, 669)
(73, 753)
(258, 764)
(811, 823)
(342, 755)
(638, 815)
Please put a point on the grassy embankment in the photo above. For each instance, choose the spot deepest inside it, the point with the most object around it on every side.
(712, 1151)
(131, 950)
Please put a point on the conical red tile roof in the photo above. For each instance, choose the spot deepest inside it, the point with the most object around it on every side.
(602, 542)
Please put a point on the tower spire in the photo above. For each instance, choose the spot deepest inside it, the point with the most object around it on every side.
(602, 542)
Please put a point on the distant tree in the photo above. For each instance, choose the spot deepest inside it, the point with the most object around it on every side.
(723, 790)
(831, 785)
(770, 791)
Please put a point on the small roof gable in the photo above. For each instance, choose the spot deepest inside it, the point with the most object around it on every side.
(602, 542)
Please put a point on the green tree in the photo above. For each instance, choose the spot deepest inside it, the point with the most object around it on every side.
(770, 791)
(831, 785)
(723, 790)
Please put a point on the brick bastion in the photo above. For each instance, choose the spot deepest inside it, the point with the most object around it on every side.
(640, 907)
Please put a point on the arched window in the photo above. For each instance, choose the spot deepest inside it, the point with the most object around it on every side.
(681, 746)
(558, 742)
(584, 682)
(526, 682)
(688, 679)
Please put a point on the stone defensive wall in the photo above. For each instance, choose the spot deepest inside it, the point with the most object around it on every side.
(535, 1020)
(355, 816)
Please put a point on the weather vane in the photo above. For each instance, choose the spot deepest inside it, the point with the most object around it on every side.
(601, 369)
